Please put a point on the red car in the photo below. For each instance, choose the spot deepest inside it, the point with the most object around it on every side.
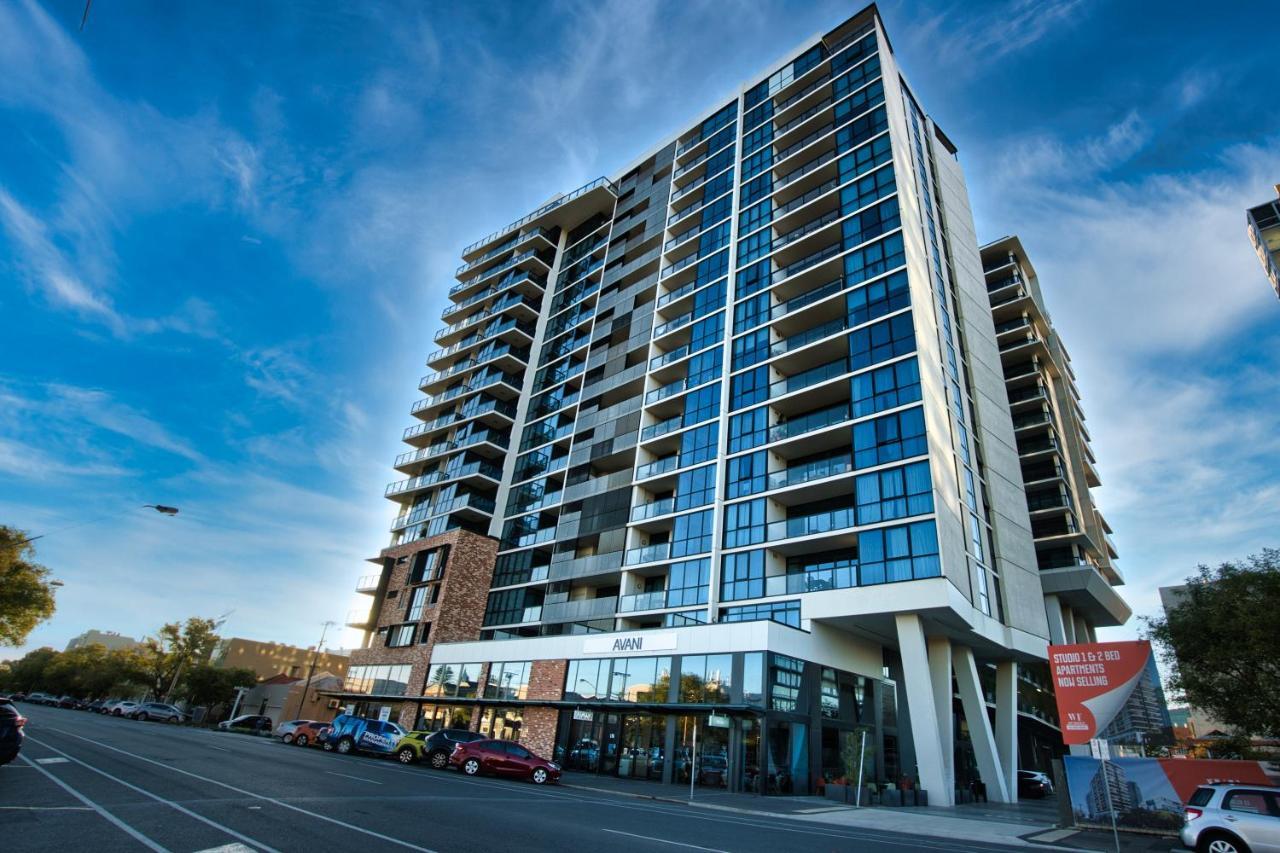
(503, 758)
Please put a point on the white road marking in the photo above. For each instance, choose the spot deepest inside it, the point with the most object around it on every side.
(664, 841)
(46, 808)
(186, 811)
(108, 816)
(282, 804)
(51, 761)
(349, 776)
(227, 848)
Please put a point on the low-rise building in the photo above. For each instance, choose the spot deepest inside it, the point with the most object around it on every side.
(269, 659)
(111, 640)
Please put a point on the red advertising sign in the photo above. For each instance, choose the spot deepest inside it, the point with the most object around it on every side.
(1092, 681)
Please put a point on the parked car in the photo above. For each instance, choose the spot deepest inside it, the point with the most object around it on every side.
(256, 723)
(1233, 819)
(35, 698)
(285, 730)
(1033, 783)
(433, 747)
(348, 733)
(18, 697)
(96, 706)
(11, 723)
(122, 708)
(307, 734)
(503, 758)
(68, 702)
(159, 711)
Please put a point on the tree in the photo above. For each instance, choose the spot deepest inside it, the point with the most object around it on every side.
(26, 593)
(27, 673)
(210, 686)
(1219, 643)
(175, 646)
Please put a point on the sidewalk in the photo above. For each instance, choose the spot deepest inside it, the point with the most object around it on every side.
(1028, 825)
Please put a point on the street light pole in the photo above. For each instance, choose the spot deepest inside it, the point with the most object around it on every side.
(306, 685)
(160, 508)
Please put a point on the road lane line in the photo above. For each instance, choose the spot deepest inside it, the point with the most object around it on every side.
(664, 841)
(282, 804)
(45, 809)
(349, 776)
(159, 799)
(108, 816)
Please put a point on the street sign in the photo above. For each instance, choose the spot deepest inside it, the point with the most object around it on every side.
(718, 721)
(583, 716)
(384, 713)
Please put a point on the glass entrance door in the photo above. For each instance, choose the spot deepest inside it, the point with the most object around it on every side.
(641, 751)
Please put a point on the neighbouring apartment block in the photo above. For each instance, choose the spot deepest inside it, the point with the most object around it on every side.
(270, 659)
(715, 478)
(110, 640)
(1264, 233)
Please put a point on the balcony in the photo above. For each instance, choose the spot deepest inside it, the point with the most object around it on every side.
(580, 567)
(544, 233)
(648, 554)
(455, 472)
(661, 466)
(542, 211)
(809, 525)
(643, 601)
(580, 610)
(477, 505)
(359, 619)
(806, 473)
(821, 580)
(643, 512)
(368, 584)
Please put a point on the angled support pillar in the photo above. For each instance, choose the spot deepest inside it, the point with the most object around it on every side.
(1007, 725)
(980, 733)
(922, 708)
(1069, 623)
(1057, 630)
(1082, 630)
(940, 680)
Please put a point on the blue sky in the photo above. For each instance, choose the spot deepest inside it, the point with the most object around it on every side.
(227, 230)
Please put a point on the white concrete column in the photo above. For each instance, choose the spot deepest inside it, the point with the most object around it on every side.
(1053, 610)
(975, 714)
(922, 708)
(1069, 623)
(940, 680)
(1007, 724)
(1082, 630)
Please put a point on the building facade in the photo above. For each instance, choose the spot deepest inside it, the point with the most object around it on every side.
(271, 659)
(110, 640)
(725, 440)
(1264, 233)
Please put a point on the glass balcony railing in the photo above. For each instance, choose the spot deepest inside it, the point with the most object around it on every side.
(643, 601)
(798, 474)
(808, 336)
(661, 466)
(808, 525)
(822, 580)
(662, 428)
(813, 376)
(546, 208)
(648, 554)
(654, 509)
(671, 325)
(580, 609)
(810, 422)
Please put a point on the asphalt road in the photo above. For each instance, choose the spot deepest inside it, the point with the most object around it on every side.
(90, 783)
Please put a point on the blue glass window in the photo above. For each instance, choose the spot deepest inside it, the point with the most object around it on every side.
(706, 332)
(894, 493)
(751, 348)
(753, 278)
(750, 312)
(854, 53)
(687, 582)
(712, 268)
(860, 101)
(755, 189)
(755, 245)
(755, 217)
(744, 523)
(757, 163)
(746, 475)
(865, 157)
(762, 135)
(898, 553)
(889, 439)
(861, 129)
(691, 534)
(882, 341)
(748, 429)
(699, 444)
(702, 405)
(880, 297)
(863, 191)
(871, 223)
(749, 388)
(870, 261)
(742, 576)
(705, 366)
(695, 488)
(846, 83)
(886, 388)
(785, 612)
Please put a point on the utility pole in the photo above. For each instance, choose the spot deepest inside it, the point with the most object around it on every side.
(306, 685)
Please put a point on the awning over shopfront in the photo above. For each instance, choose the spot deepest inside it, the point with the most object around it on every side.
(677, 708)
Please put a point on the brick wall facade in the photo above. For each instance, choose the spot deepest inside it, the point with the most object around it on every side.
(456, 616)
(538, 731)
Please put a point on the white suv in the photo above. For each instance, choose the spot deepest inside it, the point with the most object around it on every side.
(1233, 819)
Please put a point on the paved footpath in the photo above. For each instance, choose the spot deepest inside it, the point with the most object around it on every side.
(93, 783)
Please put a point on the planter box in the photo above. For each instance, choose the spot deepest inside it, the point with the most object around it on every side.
(839, 793)
(922, 797)
(891, 797)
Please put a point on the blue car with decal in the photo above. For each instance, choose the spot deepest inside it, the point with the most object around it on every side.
(348, 733)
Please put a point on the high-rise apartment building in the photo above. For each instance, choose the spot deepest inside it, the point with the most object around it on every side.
(1264, 233)
(715, 471)
(1074, 550)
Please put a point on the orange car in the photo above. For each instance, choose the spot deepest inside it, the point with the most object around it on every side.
(305, 734)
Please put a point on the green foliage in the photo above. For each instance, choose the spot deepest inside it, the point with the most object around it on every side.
(27, 673)
(175, 646)
(87, 672)
(208, 686)
(1219, 643)
(26, 596)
